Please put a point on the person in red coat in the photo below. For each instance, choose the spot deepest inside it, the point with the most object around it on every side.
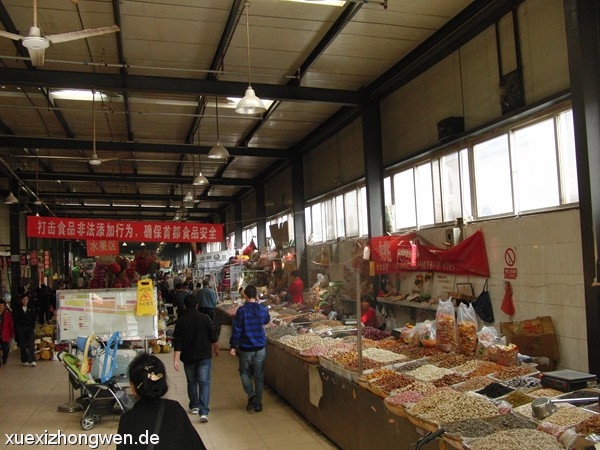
(296, 288)
(7, 331)
(368, 314)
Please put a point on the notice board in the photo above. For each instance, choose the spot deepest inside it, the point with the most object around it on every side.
(83, 312)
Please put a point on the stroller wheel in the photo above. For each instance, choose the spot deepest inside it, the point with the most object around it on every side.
(87, 423)
(96, 418)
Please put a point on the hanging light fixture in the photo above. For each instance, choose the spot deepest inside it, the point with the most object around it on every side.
(37, 201)
(142, 244)
(94, 160)
(250, 103)
(200, 179)
(124, 244)
(189, 198)
(218, 151)
(11, 199)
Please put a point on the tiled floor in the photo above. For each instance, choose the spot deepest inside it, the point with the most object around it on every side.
(29, 398)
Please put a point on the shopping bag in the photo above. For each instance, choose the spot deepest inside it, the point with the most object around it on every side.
(146, 303)
(483, 305)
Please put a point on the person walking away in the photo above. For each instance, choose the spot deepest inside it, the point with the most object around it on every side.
(248, 342)
(195, 342)
(44, 304)
(24, 321)
(208, 300)
(296, 288)
(180, 294)
(7, 331)
(152, 415)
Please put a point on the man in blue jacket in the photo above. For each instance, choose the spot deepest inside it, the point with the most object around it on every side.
(248, 341)
(195, 341)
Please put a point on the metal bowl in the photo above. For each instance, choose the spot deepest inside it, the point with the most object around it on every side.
(542, 407)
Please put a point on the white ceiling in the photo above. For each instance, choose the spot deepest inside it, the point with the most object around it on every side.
(160, 77)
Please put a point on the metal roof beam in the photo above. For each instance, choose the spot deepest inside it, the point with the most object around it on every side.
(11, 141)
(129, 197)
(171, 85)
(145, 179)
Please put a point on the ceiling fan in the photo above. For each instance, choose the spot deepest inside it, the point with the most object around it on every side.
(95, 160)
(36, 43)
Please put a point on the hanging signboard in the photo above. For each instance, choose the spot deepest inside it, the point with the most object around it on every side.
(408, 253)
(97, 247)
(122, 230)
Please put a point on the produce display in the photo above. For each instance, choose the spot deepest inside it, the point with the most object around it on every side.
(481, 404)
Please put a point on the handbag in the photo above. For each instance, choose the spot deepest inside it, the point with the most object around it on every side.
(483, 305)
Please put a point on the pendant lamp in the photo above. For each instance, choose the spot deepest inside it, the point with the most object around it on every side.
(200, 179)
(218, 151)
(250, 104)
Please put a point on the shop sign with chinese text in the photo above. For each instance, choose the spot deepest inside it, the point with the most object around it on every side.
(122, 230)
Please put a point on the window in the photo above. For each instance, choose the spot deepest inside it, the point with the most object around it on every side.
(351, 213)
(317, 222)
(535, 167)
(450, 179)
(492, 177)
(339, 216)
(363, 212)
(404, 200)
(568, 165)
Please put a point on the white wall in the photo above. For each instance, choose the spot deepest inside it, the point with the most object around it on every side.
(549, 275)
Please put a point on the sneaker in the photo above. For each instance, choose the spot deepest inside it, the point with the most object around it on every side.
(32, 364)
(25, 363)
(194, 411)
(251, 401)
(203, 418)
(258, 407)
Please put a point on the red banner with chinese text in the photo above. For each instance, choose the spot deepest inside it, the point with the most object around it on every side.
(122, 230)
(97, 247)
(407, 252)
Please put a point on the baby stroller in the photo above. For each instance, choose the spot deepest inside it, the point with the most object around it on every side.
(101, 396)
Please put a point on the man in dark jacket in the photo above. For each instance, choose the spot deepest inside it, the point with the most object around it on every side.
(195, 342)
(248, 341)
(24, 321)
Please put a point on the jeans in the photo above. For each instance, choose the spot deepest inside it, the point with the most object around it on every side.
(198, 384)
(26, 341)
(5, 346)
(253, 364)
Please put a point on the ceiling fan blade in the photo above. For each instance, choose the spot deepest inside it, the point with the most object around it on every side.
(13, 36)
(81, 34)
(37, 56)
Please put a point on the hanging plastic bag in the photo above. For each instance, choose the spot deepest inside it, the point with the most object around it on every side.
(467, 329)
(508, 306)
(445, 326)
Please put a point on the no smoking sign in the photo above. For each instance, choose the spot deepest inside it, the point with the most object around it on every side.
(510, 258)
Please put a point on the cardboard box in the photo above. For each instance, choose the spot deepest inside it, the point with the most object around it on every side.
(534, 337)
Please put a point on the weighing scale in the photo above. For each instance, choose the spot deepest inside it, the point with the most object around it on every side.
(567, 380)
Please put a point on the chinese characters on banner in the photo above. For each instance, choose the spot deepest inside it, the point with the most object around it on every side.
(408, 253)
(122, 230)
(96, 247)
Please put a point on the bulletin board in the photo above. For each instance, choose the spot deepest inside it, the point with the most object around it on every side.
(83, 312)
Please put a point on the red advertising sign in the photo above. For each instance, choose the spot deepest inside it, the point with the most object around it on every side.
(407, 252)
(122, 230)
(510, 273)
(33, 258)
(97, 247)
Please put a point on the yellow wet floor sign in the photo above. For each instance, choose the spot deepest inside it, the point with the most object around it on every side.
(146, 303)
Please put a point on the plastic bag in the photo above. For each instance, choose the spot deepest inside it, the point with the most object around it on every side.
(427, 334)
(406, 332)
(467, 329)
(445, 326)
